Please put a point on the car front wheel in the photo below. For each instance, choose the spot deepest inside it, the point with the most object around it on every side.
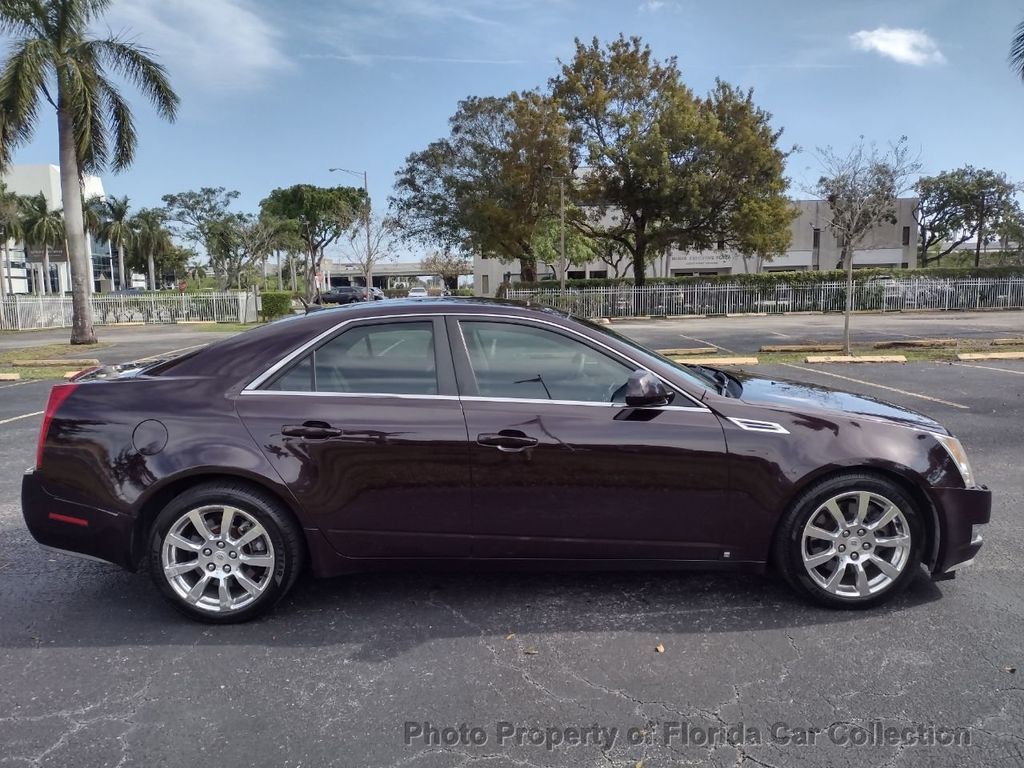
(851, 542)
(224, 552)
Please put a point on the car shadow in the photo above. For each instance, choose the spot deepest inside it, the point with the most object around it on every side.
(383, 615)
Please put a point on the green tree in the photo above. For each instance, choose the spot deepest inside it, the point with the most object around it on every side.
(44, 229)
(151, 241)
(115, 228)
(321, 215)
(861, 187)
(663, 168)
(488, 187)
(54, 58)
(194, 215)
(761, 228)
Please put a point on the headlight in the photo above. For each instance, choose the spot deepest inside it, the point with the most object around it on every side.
(959, 456)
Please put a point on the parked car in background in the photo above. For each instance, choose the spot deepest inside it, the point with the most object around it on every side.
(471, 431)
(348, 294)
(418, 292)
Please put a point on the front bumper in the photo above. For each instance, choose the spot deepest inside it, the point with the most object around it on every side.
(75, 528)
(959, 510)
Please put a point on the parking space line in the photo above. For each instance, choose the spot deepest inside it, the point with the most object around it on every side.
(879, 386)
(989, 368)
(706, 342)
(23, 416)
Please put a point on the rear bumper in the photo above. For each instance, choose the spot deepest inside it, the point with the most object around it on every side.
(75, 528)
(959, 510)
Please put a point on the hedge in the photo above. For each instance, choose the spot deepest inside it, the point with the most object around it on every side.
(275, 304)
(771, 279)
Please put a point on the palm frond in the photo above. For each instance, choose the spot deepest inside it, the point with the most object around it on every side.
(121, 125)
(135, 64)
(22, 81)
(1017, 51)
(23, 18)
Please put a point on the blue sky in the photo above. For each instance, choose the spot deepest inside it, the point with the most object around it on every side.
(277, 91)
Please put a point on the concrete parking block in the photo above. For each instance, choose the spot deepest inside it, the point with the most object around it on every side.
(855, 359)
(688, 351)
(719, 360)
(10, 377)
(990, 356)
(802, 348)
(1008, 342)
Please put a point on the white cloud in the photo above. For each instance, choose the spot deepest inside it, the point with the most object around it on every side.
(215, 44)
(653, 6)
(907, 46)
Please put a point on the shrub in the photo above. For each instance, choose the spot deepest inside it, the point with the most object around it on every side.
(275, 304)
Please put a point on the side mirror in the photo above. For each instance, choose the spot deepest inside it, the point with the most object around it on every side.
(645, 390)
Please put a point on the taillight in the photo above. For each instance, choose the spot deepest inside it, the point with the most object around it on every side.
(58, 395)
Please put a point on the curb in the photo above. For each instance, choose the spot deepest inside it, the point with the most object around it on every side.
(855, 359)
(990, 356)
(915, 343)
(84, 362)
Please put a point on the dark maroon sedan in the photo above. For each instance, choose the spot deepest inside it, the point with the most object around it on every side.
(443, 431)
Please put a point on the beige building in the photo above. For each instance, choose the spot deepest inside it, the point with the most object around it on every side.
(813, 247)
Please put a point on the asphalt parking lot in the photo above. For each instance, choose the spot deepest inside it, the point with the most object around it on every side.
(95, 669)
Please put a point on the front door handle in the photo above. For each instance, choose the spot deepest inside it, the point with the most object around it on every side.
(509, 440)
(312, 430)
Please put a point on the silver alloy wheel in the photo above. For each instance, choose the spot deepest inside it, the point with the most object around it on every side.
(218, 558)
(856, 544)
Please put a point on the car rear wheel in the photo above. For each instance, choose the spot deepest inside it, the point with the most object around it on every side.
(224, 552)
(851, 542)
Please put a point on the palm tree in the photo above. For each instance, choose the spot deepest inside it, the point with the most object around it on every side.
(44, 228)
(1017, 51)
(10, 229)
(151, 238)
(115, 228)
(54, 58)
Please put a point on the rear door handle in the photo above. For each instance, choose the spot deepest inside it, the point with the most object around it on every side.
(312, 430)
(510, 441)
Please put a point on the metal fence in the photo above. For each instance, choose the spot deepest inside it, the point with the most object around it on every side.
(873, 294)
(21, 312)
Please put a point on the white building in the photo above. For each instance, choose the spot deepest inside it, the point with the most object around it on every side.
(26, 273)
(813, 246)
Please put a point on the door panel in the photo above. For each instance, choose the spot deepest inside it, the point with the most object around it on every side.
(394, 483)
(367, 432)
(563, 468)
(601, 482)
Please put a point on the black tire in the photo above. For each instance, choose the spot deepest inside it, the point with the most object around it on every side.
(789, 545)
(286, 550)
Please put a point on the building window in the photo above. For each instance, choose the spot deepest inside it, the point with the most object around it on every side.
(721, 244)
(575, 274)
(906, 235)
(816, 240)
(485, 285)
(599, 274)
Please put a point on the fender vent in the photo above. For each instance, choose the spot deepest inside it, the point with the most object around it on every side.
(753, 425)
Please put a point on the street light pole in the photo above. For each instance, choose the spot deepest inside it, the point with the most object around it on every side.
(366, 217)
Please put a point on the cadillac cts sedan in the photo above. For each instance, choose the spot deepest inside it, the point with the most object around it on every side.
(425, 432)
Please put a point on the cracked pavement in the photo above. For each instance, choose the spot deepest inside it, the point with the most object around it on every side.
(95, 670)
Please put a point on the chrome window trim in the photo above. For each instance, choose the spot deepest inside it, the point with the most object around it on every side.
(253, 386)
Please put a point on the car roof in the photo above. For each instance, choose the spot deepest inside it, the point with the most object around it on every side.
(243, 355)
